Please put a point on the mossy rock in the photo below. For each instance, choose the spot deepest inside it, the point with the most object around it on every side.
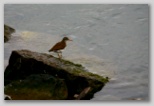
(23, 63)
(37, 87)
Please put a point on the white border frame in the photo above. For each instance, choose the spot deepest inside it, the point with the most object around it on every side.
(75, 103)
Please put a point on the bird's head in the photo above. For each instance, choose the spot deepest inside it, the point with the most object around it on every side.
(66, 39)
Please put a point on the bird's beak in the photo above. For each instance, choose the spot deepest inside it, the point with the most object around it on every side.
(70, 40)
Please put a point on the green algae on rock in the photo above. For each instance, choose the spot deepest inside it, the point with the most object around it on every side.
(37, 87)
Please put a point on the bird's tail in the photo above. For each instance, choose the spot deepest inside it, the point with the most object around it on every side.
(49, 50)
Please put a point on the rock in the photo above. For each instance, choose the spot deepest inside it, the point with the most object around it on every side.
(7, 32)
(24, 63)
(38, 87)
(7, 97)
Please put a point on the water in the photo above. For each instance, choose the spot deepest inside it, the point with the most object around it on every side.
(108, 39)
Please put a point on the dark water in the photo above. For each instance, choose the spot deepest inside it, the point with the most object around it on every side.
(110, 40)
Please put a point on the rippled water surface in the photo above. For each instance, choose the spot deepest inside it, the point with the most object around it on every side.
(110, 40)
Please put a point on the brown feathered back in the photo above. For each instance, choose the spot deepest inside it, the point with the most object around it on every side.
(58, 46)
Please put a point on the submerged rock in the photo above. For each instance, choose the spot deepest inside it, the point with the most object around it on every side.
(7, 32)
(24, 63)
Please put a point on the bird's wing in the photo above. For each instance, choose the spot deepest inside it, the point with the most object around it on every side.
(57, 46)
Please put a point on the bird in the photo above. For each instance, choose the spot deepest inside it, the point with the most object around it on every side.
(59, 46)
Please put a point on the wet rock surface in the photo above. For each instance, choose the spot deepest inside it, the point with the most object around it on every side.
(48, 78)
(7, 32)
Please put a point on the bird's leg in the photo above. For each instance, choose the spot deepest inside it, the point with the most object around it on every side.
(59, 54)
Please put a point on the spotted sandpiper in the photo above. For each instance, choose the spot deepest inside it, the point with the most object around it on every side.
(59, 46)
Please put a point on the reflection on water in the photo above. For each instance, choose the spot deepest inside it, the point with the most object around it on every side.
(110, 40)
